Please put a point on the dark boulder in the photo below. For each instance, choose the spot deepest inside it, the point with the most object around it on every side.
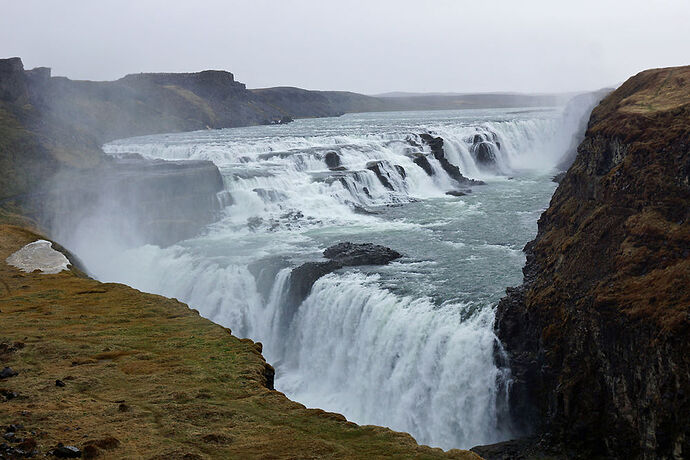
(66, 451)
(332, 160)
(484, 147)
(401, 171)
(350, 254)
(340, 255)
(269, 375)
(436, 146)
(421, 161)
(375, 167)
(302, 279)
(8, 372)
(484, 153)
(434, 143)
(8, 394)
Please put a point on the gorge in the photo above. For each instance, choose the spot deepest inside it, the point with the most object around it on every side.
(234, 222)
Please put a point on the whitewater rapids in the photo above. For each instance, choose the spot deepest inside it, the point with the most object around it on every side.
(409, 345)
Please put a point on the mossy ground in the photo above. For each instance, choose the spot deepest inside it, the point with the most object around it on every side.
(153, 374)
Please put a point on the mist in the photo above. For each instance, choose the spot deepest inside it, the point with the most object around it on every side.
(368, 47)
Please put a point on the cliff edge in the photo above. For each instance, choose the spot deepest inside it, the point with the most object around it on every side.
(598, 335)
(117, 373)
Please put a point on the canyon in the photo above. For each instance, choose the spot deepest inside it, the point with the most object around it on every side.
(594, 340)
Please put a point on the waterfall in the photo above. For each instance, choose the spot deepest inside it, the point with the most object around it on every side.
(409, 345)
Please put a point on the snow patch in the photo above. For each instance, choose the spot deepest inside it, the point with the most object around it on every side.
(39, 255)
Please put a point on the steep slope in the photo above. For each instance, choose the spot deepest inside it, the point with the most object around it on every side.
(598, 333)
(118, 373)
(304, 103)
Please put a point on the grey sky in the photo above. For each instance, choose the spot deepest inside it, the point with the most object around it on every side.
(366, 46)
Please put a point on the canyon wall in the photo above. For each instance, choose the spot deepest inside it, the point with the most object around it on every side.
(598, 334)
(54, 171)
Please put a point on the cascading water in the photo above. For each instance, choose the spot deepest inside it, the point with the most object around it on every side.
(408, 345)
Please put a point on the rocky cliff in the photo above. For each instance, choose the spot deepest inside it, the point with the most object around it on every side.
(54, 171)
(597, 336)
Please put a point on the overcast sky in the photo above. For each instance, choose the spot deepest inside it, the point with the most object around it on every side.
(367, 46)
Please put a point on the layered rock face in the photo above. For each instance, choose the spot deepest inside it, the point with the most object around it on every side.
(139, 201)
(598, 336)
(54, 169)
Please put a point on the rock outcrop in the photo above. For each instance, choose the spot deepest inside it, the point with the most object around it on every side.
(142, 201)
(303, 277)
(436, 146)
(54, 169)
(483, 147)
(598, 335)
(13, 85)
(351, 254)
(381, 174)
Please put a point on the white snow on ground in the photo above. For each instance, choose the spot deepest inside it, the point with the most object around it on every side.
(39, 255)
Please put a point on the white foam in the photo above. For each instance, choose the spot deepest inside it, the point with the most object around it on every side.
(39, 255)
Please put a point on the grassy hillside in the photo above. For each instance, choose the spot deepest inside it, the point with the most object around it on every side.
(146, 377)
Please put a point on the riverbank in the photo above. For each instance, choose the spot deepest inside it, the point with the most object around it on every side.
(100, 361)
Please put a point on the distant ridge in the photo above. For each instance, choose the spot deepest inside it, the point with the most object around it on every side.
(455, 94)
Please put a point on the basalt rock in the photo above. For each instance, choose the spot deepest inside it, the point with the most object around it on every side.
(332, 160)
(376, 168)
(401, 171)
(13, 84)
(340, 255)
(436, 146)
(598, 334)
(361, 254)
(483, 148)
(8, 372)
(484, 153)
(302, 279)
(420, 160)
